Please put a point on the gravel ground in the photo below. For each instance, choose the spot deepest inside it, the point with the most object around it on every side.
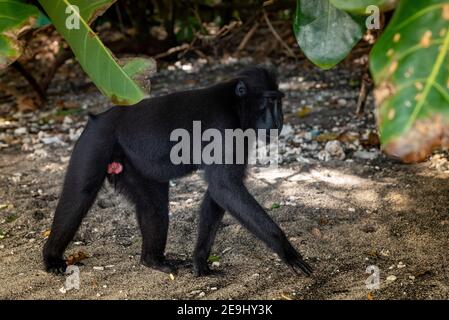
(342, 203)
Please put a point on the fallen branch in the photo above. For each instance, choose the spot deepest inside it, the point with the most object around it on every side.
(276, 35)
(31, 80)
(363, 95)
(169, 52)
(247, 37)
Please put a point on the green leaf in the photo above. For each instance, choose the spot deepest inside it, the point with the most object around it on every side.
(15, 16)
(96, 60)
(410, 66)
(11, 218)
(275, 205)
(213, 258)
(357, 6)
(325, 34)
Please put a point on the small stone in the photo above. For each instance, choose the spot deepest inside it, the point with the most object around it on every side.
(366, 155)
(400, 265)
(391, 278)
(323, 155)
(411, 277)
(369, 228)
(215, 264)
(202, 294)
(335, 149)
(342, 102)
(316, 232)
(287, 130)
(20, 131)
(52, 140)
(195, 292)
(98, 268)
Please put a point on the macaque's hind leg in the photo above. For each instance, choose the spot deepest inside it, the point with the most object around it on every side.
(84, 177)
(151, 202)
(211, 215)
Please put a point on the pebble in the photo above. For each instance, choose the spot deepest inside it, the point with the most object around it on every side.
(323, 155)
(98, 268)
(20, 131)
(366, 155)
(342, 102)
(316, 232)
(391, 278)
(52, 140)
(287, 131)
(335, 149)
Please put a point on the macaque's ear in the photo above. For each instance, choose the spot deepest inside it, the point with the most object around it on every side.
(240, 89)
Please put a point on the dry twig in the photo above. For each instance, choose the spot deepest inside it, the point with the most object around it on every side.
(276, 35)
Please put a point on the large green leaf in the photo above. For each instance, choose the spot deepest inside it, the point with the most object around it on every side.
(410, 66)
(325, 34)
(97, 61)
(15, 16)
(357, 6)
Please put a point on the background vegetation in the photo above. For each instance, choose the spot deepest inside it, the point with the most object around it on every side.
(409, 61)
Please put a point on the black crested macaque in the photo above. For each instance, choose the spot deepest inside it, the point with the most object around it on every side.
(131, 146)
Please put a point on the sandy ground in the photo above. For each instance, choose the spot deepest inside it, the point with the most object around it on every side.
(343, 216)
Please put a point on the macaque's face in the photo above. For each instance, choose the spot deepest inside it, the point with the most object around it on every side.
(269, 111)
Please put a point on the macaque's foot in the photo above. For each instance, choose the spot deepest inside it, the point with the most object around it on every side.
(159, 265)
(201, 268)
(55, 265)
(297, 263)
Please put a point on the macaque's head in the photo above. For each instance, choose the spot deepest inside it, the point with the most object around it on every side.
(261, 100)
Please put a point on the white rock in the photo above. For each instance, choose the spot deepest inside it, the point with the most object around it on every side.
(323, 155)
(20, 131)
(52, 140)
(366, 155)
(335, 149)
(75, 134)
(287, 130)
(342, 102)
(391, 278)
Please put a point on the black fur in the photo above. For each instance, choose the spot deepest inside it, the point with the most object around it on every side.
(138, 138)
